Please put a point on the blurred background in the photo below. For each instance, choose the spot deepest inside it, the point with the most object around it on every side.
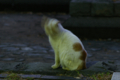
(95, 21)
(35, 5)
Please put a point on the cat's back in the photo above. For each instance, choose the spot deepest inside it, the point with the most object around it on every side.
(71, 52)
(70, 42)
(70, 39)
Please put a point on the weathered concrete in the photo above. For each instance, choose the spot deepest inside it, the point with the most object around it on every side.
(116, 76)
(45, 68)
(11, 52)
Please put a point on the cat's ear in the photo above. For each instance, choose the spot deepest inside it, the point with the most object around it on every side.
(43, 20)
(57, 23)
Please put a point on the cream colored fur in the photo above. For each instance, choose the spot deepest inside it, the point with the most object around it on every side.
(62, 41)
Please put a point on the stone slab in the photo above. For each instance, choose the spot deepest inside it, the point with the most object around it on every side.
(45, 68)
(80, 7)
(79, 22)
(102, 8)
(116, 76)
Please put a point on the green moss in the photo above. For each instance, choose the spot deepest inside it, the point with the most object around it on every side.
(101, 76)
(13, 76)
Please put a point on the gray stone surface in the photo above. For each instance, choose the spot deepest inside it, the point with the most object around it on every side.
(45, 54)
(80, 7)
(8, 66)
(22, 52)
(18, 45)
(10, 48)
(26, 49)
(1, 56)
(118, 66)
(116, 76)
(45, 68)
(20, 60)
(102, 8)
(8, 59)
(94, 8)
(103, 66)
(34, 55)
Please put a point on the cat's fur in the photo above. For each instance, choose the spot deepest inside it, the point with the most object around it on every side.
(69, 50)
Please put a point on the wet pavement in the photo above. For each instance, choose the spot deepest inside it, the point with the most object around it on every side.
(25, 52)
(23, 40)
(97, 51)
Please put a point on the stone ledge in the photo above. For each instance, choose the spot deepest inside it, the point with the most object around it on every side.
(94, 27)
(45, 68)
(116, 76)
(94, 8)
(113, 22)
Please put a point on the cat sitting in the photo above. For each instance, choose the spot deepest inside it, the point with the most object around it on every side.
(69, 50)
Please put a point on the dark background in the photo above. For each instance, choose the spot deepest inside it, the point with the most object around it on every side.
(35, 5)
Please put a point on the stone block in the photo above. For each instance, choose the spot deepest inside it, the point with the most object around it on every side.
(102, 8)
(116, 76)
(80, 7)
(117, 8)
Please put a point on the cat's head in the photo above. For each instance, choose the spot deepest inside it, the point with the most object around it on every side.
(50, 25)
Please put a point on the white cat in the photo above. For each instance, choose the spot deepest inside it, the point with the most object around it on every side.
(69, 50)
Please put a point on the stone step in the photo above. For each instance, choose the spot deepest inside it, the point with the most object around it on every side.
(93, 22)
(116, 76)
(45, 68)
(94, 8)
(94, 27)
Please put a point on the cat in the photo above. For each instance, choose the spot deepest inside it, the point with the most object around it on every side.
(68, 48)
